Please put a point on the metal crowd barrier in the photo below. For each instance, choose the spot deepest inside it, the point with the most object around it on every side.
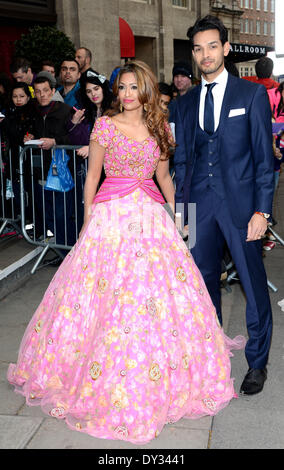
(9, 193)
(52, 219)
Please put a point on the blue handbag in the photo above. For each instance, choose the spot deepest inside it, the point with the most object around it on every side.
(59, 177)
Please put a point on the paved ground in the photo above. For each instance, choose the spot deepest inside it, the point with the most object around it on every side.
(247, 423)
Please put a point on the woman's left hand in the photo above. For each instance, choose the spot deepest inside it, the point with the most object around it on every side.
(83, 151)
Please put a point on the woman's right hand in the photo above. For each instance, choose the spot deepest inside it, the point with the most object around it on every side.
(78, 116)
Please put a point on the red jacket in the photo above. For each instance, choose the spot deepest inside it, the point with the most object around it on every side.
(267, 82)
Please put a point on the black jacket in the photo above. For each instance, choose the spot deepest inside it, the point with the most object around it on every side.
(53, 124)
(18, 121)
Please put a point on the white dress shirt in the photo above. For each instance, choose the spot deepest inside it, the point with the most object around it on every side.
(218, 92)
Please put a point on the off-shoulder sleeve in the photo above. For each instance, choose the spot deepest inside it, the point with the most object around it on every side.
(101, 132)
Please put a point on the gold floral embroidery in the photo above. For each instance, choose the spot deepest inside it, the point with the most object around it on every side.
(180, 274)
(154, 372)
(66, 311)
(95, 370)
(185, 361)
(38, 326)
(142, 310)
(130, 363)
(89, 282)
(102, 285)
(112, 336)
(102, 401)
(119, 397)
(126, 297)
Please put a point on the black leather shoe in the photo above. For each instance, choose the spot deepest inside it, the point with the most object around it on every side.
(253, 381)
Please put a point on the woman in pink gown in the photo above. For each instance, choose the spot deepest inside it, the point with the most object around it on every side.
(126, 337)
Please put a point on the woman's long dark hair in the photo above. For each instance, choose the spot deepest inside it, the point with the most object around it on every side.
(91, 108)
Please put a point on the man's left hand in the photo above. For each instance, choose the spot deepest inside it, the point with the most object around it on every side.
(47, 143)
(257, 227)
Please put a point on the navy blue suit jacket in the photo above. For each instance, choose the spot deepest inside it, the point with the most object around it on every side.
(244, 148)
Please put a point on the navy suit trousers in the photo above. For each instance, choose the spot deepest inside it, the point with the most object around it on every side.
(214, 226)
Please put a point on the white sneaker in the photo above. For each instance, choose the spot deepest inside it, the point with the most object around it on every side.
(281, 303)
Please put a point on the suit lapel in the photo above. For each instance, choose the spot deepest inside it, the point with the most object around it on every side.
(192, 122)
(229, 98)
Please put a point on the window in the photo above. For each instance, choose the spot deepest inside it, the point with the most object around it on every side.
(272, 6)
(265, 28)
(180, 3)
(257, 27)
(272, 29)
(258, 4)
(265, 6)
(246, 3)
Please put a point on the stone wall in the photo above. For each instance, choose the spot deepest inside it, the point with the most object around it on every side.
(155, 25)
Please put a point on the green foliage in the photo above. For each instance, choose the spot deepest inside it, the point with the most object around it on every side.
(44, 43)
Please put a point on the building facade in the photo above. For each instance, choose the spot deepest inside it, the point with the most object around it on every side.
(159, 28)
(16, 16)
(229, 12)
(154, 31)
(257, 27)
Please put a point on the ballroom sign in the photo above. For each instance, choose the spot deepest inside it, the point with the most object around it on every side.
(248, 49)
(246, 52)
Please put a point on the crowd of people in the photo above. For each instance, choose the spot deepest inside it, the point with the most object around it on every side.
(58, 111)
(129, 335)
(62, 111)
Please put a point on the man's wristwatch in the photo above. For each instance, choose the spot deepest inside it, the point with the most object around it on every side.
(266, 216)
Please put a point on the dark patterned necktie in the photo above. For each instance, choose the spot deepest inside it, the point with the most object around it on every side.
(209, 110)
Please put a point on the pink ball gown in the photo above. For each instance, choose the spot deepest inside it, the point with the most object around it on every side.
(126, 338)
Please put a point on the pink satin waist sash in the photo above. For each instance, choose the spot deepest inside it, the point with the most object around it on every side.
(116, 187)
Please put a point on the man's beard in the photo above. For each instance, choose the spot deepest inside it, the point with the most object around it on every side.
(209, 70)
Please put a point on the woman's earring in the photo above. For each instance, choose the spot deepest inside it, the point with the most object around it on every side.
(145, 107)
(120, 107)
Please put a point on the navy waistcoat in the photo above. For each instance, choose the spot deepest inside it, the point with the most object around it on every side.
(207, 170)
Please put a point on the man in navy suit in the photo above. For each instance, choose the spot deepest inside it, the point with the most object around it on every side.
(224, 164)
